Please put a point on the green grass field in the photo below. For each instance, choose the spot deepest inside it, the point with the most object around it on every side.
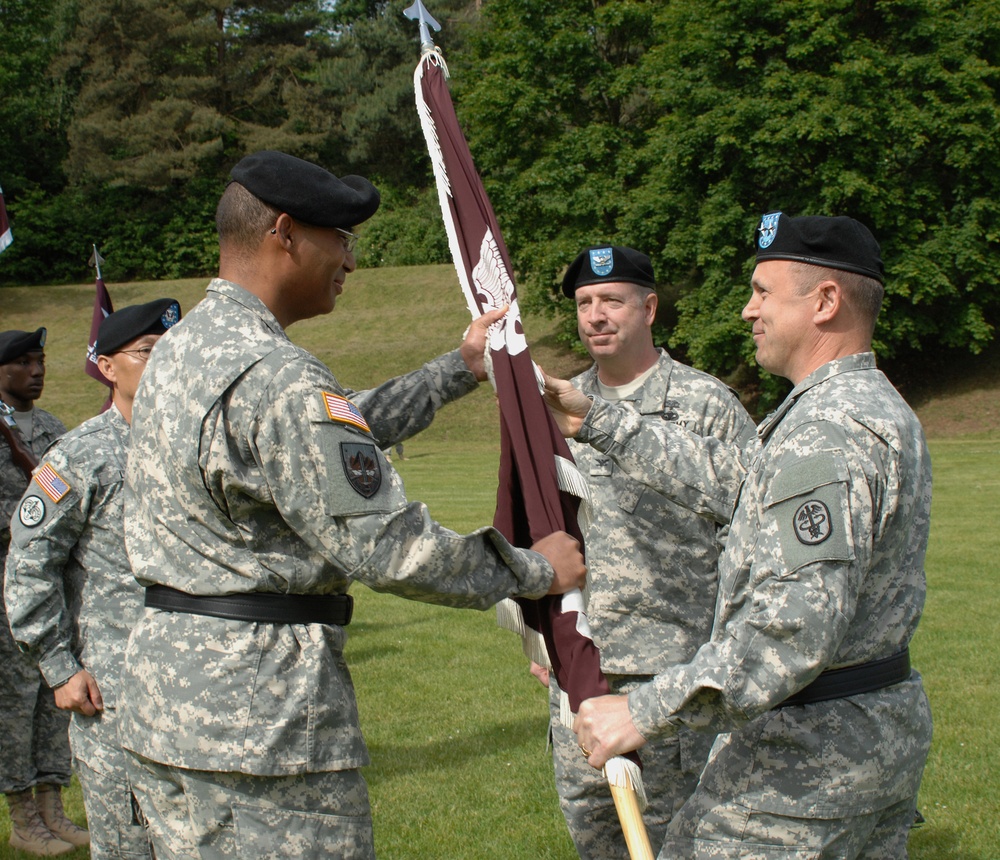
(455, 725)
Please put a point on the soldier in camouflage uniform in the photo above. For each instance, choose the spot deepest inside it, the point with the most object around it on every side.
(652, 563)
(34, 747)
(256, 494)
(821, 582)
(72, 600)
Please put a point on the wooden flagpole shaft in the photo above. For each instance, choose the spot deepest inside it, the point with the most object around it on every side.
(636, 838)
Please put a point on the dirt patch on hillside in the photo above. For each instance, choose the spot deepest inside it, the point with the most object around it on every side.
(961, 413)
(962, 397)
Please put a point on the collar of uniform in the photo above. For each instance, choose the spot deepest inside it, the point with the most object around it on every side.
(234, 292)
(116, 418)
(848, 364)
(653, 391)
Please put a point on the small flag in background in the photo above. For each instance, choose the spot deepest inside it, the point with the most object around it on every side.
(6, 237)
(102, 309)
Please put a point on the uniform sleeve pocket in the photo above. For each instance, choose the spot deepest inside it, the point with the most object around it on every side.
(808, 504)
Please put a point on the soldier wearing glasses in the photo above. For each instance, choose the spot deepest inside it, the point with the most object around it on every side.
(71, 597)
(257, 493)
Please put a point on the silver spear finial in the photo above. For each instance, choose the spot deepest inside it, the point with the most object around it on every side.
(418, 12)
(95, 261)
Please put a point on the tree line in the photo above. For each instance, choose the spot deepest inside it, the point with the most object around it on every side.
(668, 126)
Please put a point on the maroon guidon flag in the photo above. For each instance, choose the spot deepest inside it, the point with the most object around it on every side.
(102, 309)
(6, 237)
(540, 487)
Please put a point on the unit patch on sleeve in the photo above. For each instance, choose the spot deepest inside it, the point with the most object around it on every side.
(341, 409)
(31, 512)
(809, 502)
(362, 467)
(812, 522)
(49, 480)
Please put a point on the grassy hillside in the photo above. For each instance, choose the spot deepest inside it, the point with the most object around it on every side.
(387, 322)
(455, 725)
(390, 320)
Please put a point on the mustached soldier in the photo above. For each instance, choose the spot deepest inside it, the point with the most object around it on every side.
(257, 493)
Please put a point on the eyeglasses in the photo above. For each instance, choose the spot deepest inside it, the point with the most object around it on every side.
(350, 239)
(142, 353)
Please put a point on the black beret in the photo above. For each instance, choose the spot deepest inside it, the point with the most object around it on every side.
(14, 344)
(126, 325)
(833, 242)
(608, 264)
(306, 191)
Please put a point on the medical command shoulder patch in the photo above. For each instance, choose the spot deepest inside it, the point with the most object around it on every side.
(362, 467)
(812, 522)
(341, 409)
(49, 480)
(31, 512)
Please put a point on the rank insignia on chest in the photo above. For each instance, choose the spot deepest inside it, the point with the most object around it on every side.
(49, 480)
(341, 409)
(812, 522)
(31, 512)
(362, 467)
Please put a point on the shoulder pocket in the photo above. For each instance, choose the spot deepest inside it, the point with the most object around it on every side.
(808, 501)
(360, 479)
(111, 476)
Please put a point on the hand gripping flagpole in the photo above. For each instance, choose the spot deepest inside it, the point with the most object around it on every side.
(540, 486)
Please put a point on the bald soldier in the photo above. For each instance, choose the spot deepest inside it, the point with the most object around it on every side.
(821, 582)
(71, 597)
(34, 744)
(257, 494)
(652, 562)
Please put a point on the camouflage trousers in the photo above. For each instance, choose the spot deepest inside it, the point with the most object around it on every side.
(113, 817)
(192, 813)
(712, 828)
(670, 770)
(34, 733)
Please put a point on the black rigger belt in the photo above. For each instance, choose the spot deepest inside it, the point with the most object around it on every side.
(853, 680)
(257, 606)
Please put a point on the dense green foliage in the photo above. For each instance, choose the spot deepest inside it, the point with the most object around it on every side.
(667, 126)
(673, 126)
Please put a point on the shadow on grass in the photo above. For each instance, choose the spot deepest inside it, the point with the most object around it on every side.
(400, 759)
(366, 639)
(933, 841)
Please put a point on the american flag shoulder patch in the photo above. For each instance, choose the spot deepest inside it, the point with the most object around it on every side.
(49, 480)
(341, 409)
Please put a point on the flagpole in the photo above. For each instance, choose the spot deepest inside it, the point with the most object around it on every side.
(6, 236)
(483, 269)
(102, 308)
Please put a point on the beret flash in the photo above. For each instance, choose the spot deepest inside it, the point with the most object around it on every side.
(608, 264)
(306, 191)
(126, 325)
(832, 242)
(14, 343)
